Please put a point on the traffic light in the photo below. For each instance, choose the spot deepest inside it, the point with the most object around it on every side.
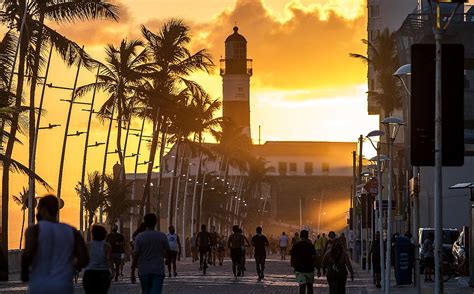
(422, 117)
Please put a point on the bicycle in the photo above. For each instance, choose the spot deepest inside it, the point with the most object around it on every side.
(203, 262)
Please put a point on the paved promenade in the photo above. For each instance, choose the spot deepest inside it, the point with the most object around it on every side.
(219, 279)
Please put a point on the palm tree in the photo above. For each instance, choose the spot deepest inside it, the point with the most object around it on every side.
(119, 77)
(22, 201)
(117, 203)
(258, 174)
(385, 62)
(172, 62)
(93, 197)
(28, 18)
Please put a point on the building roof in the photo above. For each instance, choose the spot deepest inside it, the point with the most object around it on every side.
(303, 148)
(236, 37)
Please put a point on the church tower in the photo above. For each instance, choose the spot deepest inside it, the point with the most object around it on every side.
(236, 71)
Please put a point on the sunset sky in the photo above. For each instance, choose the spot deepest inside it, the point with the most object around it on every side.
(304, 87)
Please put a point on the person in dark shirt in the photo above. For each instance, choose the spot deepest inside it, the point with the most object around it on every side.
(302, 260)
(203, 241)
(117, 242)
(259, 241)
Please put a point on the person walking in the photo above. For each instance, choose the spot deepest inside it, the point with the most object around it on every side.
(53, 251)
(295, 239)
(175, 250)
(203, 240)
(235, 244)
(428, 254)
(244, 251)
(117, 242)
(283, 243)
(302, 260)
(260, 242)
(150, 246)
(374, 255)
(96, 279)
(337, 263)
(319, 247)
(194, 248)
(221, 250)
(214, 243)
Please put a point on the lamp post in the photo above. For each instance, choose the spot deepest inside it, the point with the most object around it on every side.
(392, 126)
(401, 73)
(379, 159)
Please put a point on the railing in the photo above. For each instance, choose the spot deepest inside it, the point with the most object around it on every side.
(236, 66)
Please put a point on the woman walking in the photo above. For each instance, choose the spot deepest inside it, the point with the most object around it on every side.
(98, 273)
(337, 264)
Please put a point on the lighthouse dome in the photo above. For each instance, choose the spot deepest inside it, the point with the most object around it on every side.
(236, 37)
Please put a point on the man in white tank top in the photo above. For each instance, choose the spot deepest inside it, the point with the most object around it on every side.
(175, 250)
(53, 251)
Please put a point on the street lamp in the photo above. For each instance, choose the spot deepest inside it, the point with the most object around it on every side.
(379, 159)
(392, 126)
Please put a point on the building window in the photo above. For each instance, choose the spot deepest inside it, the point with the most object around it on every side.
(308, 168)
(371, 85)
(292, 167)
(373, 35)
(325, 167)
(282, 168)
(374, 10)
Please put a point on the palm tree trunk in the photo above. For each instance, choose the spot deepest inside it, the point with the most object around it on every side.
(104, 164)
(22, 228)
(161, 165)
(10, 145)
(31, 123)
(151, 159)
(119, 136)
(172, 186)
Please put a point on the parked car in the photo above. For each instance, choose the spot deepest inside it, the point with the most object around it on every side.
(461, 253)
(450, 236)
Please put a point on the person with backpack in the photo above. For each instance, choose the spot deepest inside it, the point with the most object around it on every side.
(53, 251)
(337, 263)
(235, 243)
(175, 250)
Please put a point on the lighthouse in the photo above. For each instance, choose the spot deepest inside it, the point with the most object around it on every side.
(236, 71)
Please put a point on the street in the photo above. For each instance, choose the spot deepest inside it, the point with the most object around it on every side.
(279, 278)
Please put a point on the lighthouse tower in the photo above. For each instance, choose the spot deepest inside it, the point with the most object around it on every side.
(236, 71)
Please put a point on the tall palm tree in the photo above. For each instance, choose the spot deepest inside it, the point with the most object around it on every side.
(93, 197)
(119, 77)
(117, 205)
(22, 201)
(172, 62)
(28, 18)
(385, 62)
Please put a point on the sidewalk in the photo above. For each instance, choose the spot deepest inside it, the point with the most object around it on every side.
(456, 285)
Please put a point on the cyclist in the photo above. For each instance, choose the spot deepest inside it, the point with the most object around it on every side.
(235, 244)
(203, 241)
(214, 243)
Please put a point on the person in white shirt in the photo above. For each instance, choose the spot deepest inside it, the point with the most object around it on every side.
(283, 245)
(175, 250)
(53, 252)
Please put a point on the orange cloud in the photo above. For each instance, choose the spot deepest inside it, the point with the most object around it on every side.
(308, 50)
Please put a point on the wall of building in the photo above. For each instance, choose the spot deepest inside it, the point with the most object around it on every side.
(456, 203)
